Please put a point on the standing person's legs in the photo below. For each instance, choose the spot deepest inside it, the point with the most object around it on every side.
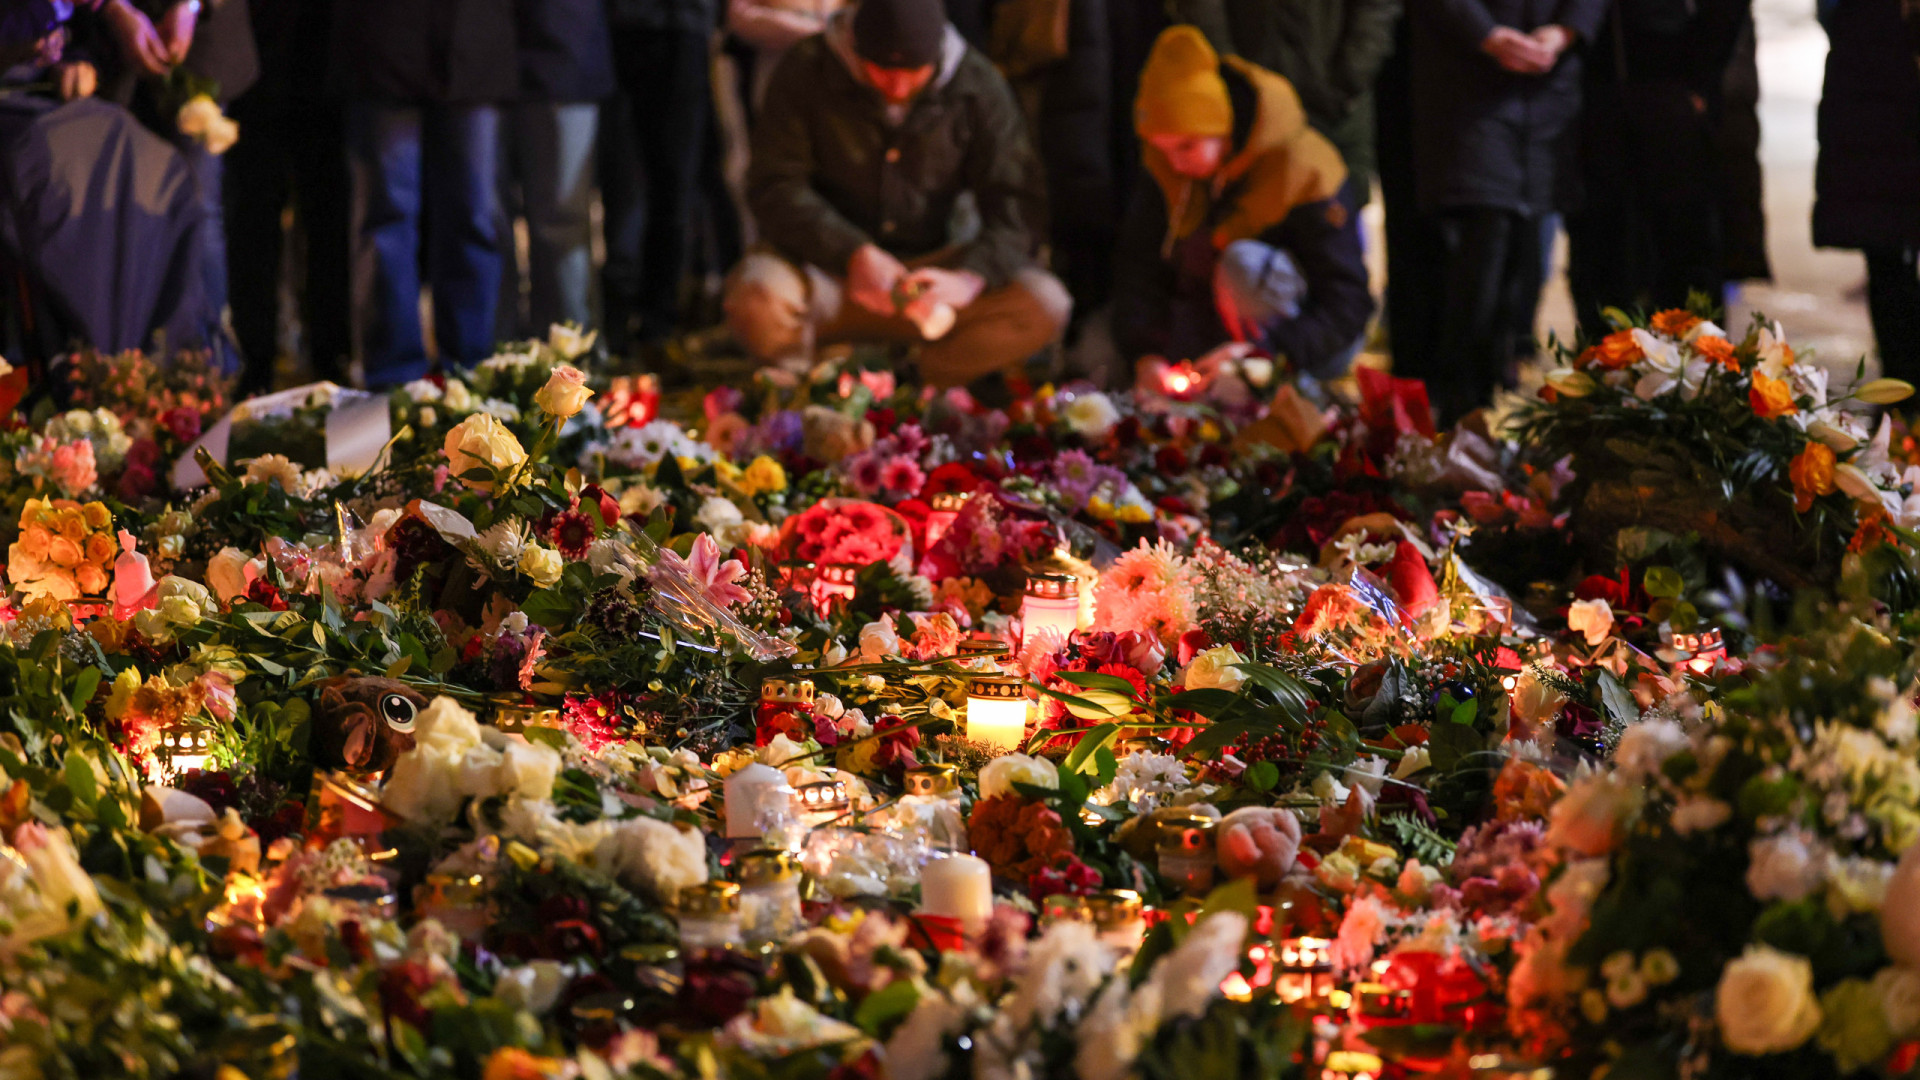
(1474, 327)
(463, 245)
(315, 141)
(517, 158)
(384, 156)
(207, 173)
(260, 176)
(1893, 299)
(622, 210)
(1529, 249)
(665, 74)
(556, 184)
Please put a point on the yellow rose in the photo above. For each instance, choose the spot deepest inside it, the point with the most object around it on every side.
(72, 525)
(542, 564)
(764, 475)
(730, 473)
(96, 515)
(91, 579)
(101, 549)
(124, 685)
(481, 441)
(565, 392)
(36, 542)
(1765, 1002)
(65, 552)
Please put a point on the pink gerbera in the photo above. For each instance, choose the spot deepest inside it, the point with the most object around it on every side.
(902, 475)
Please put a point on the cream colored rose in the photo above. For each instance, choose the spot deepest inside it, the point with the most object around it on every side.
(565, 392)
(1091, 415)
(1765, 1002)
(1594, 618)
(1593, 815)
(568, 341)
(542, 564)
(1214, 669)
(230, 572)
(40, 884)
(528, 770)
(999, 775)
(481, 441)
(653, 855)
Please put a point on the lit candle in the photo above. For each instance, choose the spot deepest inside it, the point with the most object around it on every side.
(1052, 603)
(997, 712)
(834, 583)
(944, 508)
(757, 796)
(958, 887)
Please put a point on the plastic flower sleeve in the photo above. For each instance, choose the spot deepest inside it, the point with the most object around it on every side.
(681, 601)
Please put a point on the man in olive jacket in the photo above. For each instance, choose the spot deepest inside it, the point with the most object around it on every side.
(871, 132)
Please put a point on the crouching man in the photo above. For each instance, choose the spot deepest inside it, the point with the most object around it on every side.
(1245, 234)
(871, 132)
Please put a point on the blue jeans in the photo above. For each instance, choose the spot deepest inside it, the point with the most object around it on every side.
(548, 164)
(401, 158)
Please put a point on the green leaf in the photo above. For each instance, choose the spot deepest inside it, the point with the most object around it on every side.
(547, 736)
(1099, 738)
(84, 688)
(399, 667)
(1465, 712)
(1093, 680)
(1241, 895)
(882, 1007)
(80, 780)
(1618, 700)
(1664, 581)
(1211, 702)
(1105, 767)
(548, 608)
(1263, 776)
(1450, 744)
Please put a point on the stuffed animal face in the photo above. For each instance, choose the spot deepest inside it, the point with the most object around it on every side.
(363, 724)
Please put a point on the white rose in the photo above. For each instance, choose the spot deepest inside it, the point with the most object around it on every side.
(654, 856)
(425, 784)
(1899, 990)
(458, 397)
(1785, 866)
(719, 516)
(229, 573)
(1594, 618)
(1214, 669)
(568, 341)
(1091, 415)
(480, 772)
(528, 770)
(878, 641)
(534, 987)
(421, 391)
(35, 901)
(998, 776)
(447, 725)
(1646, 746)
(1765, 1002)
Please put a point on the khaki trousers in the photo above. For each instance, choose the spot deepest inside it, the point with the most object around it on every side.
(778, 310)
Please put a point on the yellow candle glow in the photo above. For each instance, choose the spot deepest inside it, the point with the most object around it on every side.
(997, 712)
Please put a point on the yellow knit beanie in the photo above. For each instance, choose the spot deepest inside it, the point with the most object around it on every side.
(1181, 92)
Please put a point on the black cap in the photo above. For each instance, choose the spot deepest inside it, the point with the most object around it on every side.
(899, 33)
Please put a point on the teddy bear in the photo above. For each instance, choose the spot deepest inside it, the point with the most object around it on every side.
(1258, 842)
(362, 723)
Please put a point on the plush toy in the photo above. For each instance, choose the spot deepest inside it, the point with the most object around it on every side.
(363, 724)
(1258, 842)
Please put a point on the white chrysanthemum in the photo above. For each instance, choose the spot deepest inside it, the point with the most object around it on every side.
(1646, 746)
(504, 411)
(1064, 970)
(1786, 866)
(655, 856)
(503, 542)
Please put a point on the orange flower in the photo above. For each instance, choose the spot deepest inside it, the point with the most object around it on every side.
(1717, 349)
(1615, 351)
(513, 1063)
(1873, 531)
(1812, 472)
(1771, 398)
(1675, 322)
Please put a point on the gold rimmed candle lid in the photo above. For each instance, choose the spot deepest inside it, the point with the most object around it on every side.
(937, 778)
(996, 687)
(1054, 586)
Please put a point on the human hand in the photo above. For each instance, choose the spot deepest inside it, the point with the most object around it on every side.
(139, 42)
(176, 29)
(1519, 53)
(1554, 39)
(954, 288)
(76, 80)
(871, 276)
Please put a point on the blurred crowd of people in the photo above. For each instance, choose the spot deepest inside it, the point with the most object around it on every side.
(973, 181)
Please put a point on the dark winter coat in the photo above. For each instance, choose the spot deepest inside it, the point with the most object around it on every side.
(565, 55)
(418, 52)
(687, 16)
(292, 37)
(1867, 180)
(1163, 293)
(832, 171)
(1330, 50)
(1485, 136)
(1067, 98)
